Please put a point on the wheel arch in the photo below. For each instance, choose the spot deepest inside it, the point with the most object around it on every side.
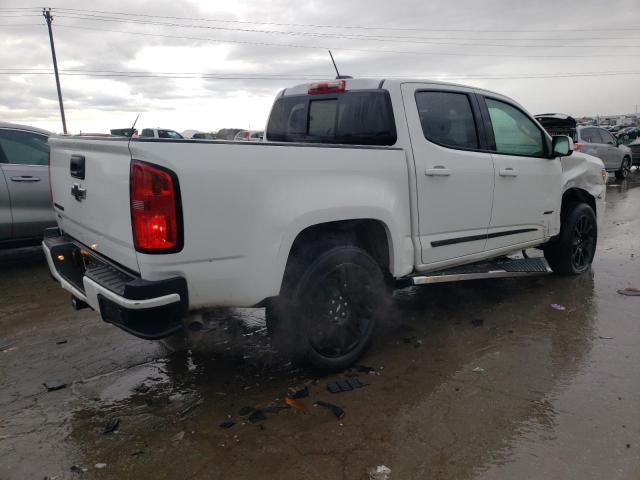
(576, 195)
(371, 234)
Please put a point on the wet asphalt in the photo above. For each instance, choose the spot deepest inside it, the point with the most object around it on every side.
(477, 380)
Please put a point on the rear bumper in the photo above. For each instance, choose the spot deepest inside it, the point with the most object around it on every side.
(146, 309)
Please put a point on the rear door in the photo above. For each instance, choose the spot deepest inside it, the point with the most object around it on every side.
(90, 184)
(593, 144)
(454, 177)
(5, 209)
(24, 161)
(527, 189)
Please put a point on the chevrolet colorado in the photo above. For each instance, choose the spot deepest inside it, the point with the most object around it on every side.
(361, 185)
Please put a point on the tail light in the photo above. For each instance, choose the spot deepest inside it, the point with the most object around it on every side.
(155, 209)
(577, 147)
(337, 86)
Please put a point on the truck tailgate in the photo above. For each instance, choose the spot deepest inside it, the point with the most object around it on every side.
(90, 188)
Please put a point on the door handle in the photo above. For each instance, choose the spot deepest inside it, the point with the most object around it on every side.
(25, 178)
(508, 172)
(437, 171)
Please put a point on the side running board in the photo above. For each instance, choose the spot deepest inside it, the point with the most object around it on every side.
(502, 268)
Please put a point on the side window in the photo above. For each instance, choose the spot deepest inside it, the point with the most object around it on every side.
(447, 119)
(591, 135)
(147, 132)
(606, 137)
(23, 148)
(514, 132)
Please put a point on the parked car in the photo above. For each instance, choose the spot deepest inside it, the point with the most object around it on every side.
(635, 152)
(598, 142)
(249, 136)
(25, 201)
(592, 140)
(203, 136)
(362, 185)
(160, 133)
(627, 133)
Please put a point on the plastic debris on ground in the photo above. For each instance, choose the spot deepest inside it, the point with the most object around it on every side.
(53, 386)
(77, 469)
(257, 416)
(112, 425)
(478, 370)
(177, 437)
(100, 466)
(557, 306)
(630, 292)
(296, 404)
(345, 385)
(381, 472)
(336, 410)
(298, 391)
(6, 345)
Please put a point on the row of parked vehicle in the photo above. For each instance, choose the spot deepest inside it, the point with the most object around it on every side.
(241, 136)
(597, 141)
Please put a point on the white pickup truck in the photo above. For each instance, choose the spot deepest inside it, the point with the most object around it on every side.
(361, 185)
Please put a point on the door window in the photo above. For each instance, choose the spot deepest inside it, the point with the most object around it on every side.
(591, 135)
(447, 119)
(514, 132)
(606, 137)
(23, 148)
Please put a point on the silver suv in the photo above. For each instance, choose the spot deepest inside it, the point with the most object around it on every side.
(600, 143)
(25, 200)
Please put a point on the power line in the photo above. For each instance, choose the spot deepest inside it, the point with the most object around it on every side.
(224, 76)
(340, 48)
(357, 27)
(309, 34)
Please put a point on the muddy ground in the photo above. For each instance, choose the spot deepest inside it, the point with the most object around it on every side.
(480, 380)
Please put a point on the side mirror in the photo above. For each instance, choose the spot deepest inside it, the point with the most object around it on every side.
(561, 146)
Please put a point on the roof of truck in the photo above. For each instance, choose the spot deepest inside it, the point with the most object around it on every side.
(374, 83)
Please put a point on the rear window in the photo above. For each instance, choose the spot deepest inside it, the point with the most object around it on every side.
(355, 118)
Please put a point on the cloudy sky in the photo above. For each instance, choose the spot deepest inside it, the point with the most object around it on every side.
(206, 65)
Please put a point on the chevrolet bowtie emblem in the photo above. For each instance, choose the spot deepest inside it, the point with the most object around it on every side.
(78, 193)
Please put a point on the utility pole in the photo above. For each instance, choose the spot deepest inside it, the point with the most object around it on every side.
(47, 15)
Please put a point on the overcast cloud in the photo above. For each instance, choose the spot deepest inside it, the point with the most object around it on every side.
(541, 38)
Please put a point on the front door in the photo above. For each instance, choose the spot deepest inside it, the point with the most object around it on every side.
(527, 192)
(610, 151)
(454, 179)
(24, 156)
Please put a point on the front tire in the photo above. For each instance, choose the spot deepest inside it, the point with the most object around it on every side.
(625, 169)
(328, 307)
(573, 251)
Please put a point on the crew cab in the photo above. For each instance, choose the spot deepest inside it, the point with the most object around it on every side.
(361, 186)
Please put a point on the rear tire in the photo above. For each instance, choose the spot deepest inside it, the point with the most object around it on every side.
(625, 169)
(573, 251)
(329, 305)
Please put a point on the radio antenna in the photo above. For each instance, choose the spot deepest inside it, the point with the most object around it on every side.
(338, 76)
(334, 64)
